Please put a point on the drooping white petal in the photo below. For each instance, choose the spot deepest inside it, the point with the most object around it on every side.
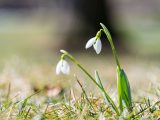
(90, 42)
(58, 67)
(65, 68)
(98, 46)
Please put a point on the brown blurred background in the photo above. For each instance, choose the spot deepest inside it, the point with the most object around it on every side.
(38, 26)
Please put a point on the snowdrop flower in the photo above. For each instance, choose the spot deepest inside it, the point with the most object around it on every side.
(96, 43)
(63, 67)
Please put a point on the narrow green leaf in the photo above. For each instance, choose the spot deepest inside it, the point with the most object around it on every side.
(124, 92)
(106, 31)
(98, 80)
(107, 98)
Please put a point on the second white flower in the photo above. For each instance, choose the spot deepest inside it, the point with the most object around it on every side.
(63, 67)
(96, 43)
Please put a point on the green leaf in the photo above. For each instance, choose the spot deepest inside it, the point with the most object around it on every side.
(106, 31)
(107, 98)
(98, 80)
(124, 92)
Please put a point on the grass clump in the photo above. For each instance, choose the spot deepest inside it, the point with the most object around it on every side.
(83, 107)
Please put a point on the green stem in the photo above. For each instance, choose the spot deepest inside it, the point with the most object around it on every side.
(106, 31)
(85, 71)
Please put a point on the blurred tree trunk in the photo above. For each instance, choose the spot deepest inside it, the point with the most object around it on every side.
(92, 13)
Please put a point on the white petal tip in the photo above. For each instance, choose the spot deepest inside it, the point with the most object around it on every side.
(98, 46)
(86, 47)
(90, 42)
(98, 52)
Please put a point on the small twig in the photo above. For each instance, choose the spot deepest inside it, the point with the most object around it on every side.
(46, 108)
(85, 94)
(144, 109)
(9, 90)
(27, 112)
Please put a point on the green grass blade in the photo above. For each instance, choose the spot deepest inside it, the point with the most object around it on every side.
(107, 98)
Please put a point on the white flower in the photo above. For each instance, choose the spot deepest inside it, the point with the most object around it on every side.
(96, 43)
(63, 67)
